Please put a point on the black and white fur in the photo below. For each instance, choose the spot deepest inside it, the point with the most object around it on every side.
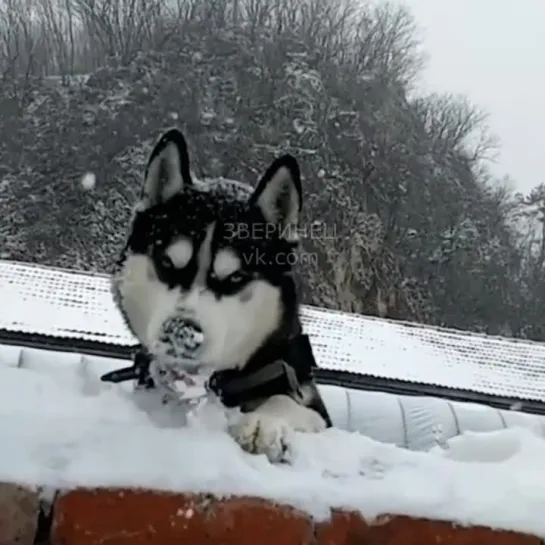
(218, 254)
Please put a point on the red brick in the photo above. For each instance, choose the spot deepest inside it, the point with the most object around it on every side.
(343, 528)
(19, 510)
(420, 532)
(137, 517)
(351, 529)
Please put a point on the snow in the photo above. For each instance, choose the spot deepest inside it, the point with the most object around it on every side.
(61, 427)
(88, 181)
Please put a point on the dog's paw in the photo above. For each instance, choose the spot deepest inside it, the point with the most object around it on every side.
(263, 434)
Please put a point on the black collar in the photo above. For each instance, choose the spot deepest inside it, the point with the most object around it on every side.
(275, 371)
(288, 365)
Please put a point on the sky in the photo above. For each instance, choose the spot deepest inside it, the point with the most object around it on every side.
(493, 51)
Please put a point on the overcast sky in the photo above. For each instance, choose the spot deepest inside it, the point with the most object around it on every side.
(494, 52)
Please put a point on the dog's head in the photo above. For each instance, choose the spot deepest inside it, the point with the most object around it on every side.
(218, 255)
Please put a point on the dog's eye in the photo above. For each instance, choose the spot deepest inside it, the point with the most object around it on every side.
(166, 263)
(236, 278)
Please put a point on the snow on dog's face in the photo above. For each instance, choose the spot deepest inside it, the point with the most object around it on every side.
(216, 255)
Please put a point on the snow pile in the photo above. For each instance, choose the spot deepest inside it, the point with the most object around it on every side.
(59, 426)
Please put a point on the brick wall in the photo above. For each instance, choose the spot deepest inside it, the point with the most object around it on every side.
(138, 517)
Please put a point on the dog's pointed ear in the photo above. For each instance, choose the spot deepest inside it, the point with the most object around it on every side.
(167, 170)
(279, 197)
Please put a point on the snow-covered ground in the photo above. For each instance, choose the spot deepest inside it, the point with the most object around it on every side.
(61, 427)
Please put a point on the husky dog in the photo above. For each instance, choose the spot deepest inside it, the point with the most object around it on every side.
(219, 255)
